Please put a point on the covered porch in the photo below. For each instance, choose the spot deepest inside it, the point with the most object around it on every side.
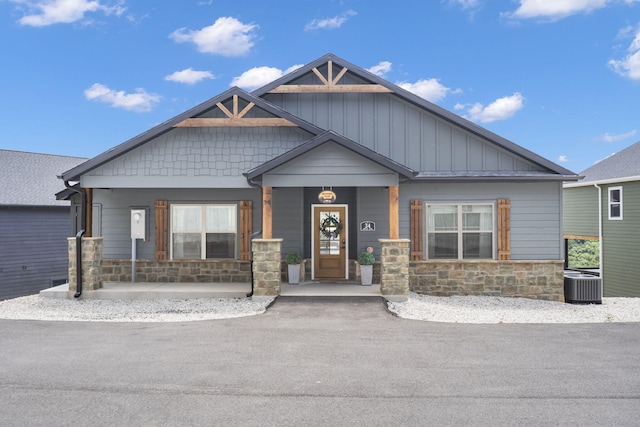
(157, 290)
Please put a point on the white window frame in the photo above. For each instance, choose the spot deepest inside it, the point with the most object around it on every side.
(203, 229)
(460, 232)
(611, 204)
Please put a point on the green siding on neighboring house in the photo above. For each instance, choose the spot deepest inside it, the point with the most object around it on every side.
(621, 243)
(581, 211)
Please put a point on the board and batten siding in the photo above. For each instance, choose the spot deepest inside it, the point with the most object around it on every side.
(401, 131)
(288, 219)
(116, 213)
(33, 249)
(536, 212)
(621, 243)
(581, 211)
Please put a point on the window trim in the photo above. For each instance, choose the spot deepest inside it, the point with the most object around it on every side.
(203, 231)
(460, 232)
(610, 204)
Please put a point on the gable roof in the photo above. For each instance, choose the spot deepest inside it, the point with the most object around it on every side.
(186, 120)
(330, 136)
(30, 179)
(434, 109)
(622, 166)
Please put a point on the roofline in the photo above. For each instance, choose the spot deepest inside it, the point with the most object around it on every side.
(322, 139)
(602, 182)
(423, 103)
(484, 178)
(159, 130)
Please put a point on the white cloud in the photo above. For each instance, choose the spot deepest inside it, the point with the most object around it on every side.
(49, 12)
(558, 9)
(563, 159)
(629, 66)
(500, 109)
(381, 68)
(429, 89)
(140, 101)
(189, 76)
(260, 76)
(607, 137)
(329, 23)
(227, 37)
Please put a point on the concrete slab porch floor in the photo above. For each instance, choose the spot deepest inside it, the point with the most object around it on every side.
(129, 291)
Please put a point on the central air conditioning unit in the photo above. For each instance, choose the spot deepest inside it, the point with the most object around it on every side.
(580, 288)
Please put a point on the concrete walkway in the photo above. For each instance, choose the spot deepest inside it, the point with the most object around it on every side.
(128, 291)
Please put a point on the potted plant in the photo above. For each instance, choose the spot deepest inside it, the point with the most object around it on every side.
(366, 261)
(293, 260)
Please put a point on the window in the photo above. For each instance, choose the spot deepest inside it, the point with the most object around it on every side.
(615, 203)
(460, 231)
(203, 231)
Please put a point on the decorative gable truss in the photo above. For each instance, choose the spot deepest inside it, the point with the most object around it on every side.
(235, 117)
(330, 84)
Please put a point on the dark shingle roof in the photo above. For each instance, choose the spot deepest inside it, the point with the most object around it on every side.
(623, 164)
(31, 179)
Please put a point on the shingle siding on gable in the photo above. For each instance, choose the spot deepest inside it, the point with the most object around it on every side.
(401, 131)
(193, 153)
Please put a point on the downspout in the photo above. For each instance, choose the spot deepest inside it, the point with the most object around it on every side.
(83, 226)
(256, 234)
(600, 232)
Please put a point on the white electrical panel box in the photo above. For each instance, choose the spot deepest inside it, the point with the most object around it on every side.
(138, 225)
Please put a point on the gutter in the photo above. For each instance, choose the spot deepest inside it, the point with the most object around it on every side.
(254, 235)
(83, 227)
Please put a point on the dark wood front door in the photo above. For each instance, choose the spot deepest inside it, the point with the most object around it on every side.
(330, 241)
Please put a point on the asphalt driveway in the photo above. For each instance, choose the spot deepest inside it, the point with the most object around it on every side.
(320, 361)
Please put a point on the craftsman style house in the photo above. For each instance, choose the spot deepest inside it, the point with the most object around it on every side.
(325, 161)
(605, 206)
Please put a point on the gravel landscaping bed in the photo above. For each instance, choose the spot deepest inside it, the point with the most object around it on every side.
(458, 309)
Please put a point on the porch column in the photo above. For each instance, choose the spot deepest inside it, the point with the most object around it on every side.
(92, 249)
(394, 269)
(266, 267)
(267, 213)
(394, 222)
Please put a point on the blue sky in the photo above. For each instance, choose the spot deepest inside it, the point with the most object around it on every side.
(558, 77)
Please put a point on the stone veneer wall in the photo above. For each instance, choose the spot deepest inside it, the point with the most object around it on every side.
(92, 250)
(179, 271)
(529, 279)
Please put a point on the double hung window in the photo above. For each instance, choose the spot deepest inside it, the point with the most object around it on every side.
(203, 231)
(615, 203)
(460, 231)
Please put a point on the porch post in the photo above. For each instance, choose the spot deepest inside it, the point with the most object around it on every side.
(394, 227)
(394, 269)
(267, 213)
(266, 267)
(92, 253)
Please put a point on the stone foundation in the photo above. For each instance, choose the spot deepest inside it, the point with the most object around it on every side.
(528, 279)
(178, 271)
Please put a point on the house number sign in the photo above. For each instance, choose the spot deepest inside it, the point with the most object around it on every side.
(367, 226)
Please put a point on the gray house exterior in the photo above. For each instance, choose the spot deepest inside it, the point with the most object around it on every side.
(327, 161)
(34, 226)
(605, 206)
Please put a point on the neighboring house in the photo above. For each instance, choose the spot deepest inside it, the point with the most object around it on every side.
(611, 187)
(476, 213)
(34, 226)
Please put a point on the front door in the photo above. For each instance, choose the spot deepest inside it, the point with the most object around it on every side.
(329, 241)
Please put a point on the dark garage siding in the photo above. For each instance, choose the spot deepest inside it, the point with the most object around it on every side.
(33, 249)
